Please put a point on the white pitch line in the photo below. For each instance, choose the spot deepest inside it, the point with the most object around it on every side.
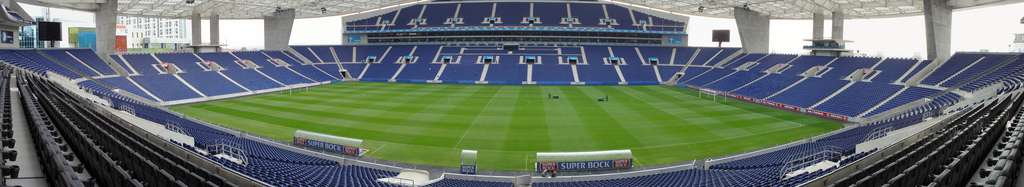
(464, 133)
(378, 149)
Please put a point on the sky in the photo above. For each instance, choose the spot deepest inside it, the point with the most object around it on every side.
(977, 29)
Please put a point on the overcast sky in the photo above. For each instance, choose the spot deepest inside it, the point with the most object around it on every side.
(989, 28)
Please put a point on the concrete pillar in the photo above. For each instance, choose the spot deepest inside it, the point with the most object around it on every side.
(106, 22)
(277, 29)
(215, 29)
(197, 29)
(818, 30)
(938, 20)
(837, 25)
(753, 28)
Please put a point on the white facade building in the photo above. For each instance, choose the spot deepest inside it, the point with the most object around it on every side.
(147, 32)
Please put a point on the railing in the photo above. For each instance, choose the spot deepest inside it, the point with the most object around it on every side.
(229, 150)
(801, 161)
(864, 162)
(878, 133)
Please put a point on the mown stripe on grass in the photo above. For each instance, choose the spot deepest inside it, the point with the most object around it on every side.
(596, 121)
(422, 123)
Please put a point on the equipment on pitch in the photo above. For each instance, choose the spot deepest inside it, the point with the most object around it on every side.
(468, 162)
(715, 95)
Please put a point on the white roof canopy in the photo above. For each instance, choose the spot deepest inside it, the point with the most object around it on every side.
(802, 9)
(254, 9)
(227, 9)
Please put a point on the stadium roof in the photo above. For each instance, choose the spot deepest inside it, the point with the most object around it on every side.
(802, 9)
(227, 9)
(778, 9)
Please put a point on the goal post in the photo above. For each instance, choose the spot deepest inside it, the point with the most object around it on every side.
(714, 95)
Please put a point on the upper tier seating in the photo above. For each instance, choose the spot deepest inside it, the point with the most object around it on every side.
(716, 73)
(211, 83)
(144, 64)
(405, 17)
(809, 91)
(166, 87)
(39, 61)
(740, 77)
(90, 67)
(266, 163)
(892, 69)
(550, 14)
(828, 90)
(94, 148)
(514, 14)
(123, 84)
(1010, 74)
(311, 72)
(962, 66)
(858, 98)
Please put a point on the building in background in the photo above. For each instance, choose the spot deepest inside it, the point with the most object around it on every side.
(1018, 43)
(11, 26)
(155, 34)
(121, 38)
(28, 36)
(82, 37)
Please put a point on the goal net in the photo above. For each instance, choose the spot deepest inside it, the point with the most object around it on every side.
(713, 95)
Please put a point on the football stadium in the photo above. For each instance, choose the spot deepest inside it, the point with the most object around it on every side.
(511, 93)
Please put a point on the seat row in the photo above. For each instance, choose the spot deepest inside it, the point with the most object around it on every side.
(519, 14)
(98, 149)
(947, 157)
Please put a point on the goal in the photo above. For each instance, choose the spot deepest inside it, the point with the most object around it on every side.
(712, 94)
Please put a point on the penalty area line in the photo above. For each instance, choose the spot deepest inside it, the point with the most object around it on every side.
(477, 117)
(375, 150)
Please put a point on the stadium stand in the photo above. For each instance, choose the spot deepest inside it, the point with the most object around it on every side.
(52, 105)
(832, 89)
(79, 131)
(8, 151)
(951, 156)
(457, 183)
(746, 74)
(86, 143)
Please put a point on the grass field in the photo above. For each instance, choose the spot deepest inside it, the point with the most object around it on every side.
(430, 123)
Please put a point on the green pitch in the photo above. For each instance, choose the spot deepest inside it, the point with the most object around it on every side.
(430, 123)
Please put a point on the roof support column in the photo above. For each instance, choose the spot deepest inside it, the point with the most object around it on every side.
(197, 29)
(106, 20)
(215, 29)
(277, 29)
(837, 25)
(753, 28)
(818, 26)
(938, 20)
